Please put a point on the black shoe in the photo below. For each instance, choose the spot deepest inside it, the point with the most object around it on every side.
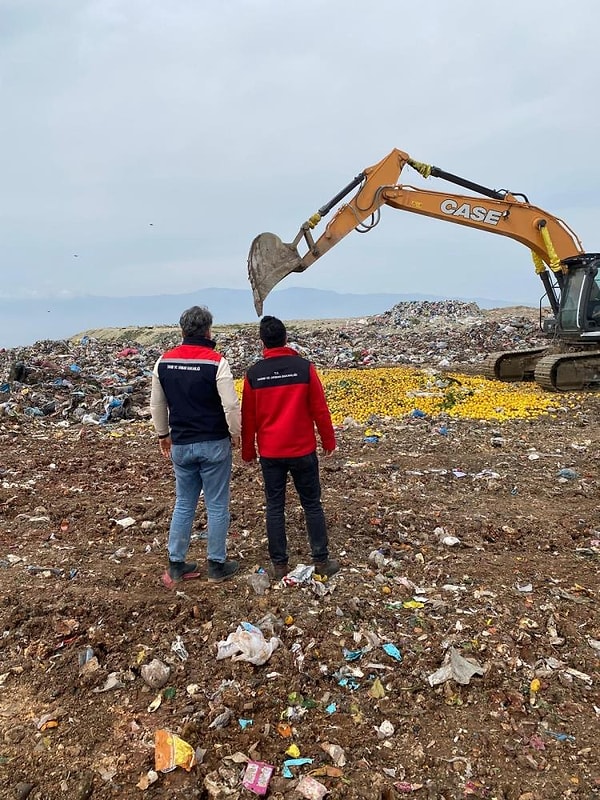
(221, 570)
(328, 567)
(280, 570)
(180, 571)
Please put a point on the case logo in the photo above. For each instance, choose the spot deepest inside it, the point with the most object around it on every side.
(466, 211)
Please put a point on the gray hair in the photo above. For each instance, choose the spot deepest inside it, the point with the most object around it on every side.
(196, 321)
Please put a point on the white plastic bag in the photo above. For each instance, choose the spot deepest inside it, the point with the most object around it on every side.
(456, 667)
(247, 643)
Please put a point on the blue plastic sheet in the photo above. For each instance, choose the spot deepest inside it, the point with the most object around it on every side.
(294, 762)
(392, 651)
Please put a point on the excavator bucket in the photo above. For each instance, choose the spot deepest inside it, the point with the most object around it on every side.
(269, 261)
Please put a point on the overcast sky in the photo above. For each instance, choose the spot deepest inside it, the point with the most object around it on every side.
(145, 143)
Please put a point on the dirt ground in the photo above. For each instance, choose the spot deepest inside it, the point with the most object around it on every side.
(481, 541)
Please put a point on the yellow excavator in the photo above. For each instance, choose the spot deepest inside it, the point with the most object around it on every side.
(570, 277)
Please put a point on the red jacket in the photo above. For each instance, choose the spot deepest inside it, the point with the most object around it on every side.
(282, 401)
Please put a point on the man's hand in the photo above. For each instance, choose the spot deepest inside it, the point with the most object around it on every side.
(328, 453)
(165, 446)
(236, 442)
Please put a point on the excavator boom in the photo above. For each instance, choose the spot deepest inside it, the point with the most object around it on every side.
(270, 259)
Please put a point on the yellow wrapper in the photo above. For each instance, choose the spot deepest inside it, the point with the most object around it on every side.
(171, 751)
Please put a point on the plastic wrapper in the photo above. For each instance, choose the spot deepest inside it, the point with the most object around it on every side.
(311, 789)
(456, 667)
(392, 651)
(335, 752)
(179, 648)
(257, 777)
(170, 751)
(293, 762)
(302, 573)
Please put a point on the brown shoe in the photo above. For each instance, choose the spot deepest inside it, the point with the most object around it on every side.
(328, 567)
(280, 570)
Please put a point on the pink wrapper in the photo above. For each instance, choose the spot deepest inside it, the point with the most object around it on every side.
(257, 776)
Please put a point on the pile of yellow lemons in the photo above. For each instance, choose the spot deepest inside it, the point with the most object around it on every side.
(364, 394)
(398, 391)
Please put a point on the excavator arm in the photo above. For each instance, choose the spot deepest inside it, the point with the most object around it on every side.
(548, 237)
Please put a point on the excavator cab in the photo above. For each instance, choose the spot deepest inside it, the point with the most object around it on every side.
(578, 318)
(577, 325)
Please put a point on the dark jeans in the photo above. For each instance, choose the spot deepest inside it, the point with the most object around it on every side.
(305, 474)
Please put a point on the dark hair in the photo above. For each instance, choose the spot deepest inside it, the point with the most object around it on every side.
(272, 332)
(196, 321)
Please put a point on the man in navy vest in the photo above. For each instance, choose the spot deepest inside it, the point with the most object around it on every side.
(196, 414)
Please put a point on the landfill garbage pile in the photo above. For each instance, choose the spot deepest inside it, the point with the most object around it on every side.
(403, 313)
(86, 382)
(456, 654)
(89, 381)
(454, 333)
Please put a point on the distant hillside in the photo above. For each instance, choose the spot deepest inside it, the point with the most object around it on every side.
(23, 322)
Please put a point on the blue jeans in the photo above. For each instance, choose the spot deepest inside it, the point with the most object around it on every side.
(201, 466)
(305, 474)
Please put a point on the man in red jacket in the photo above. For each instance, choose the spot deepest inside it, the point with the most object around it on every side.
(282, 401)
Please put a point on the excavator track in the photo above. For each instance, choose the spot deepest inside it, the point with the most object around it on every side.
(512, 365)
(569, 372)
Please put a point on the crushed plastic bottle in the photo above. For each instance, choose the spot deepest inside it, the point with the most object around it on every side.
(259, 581)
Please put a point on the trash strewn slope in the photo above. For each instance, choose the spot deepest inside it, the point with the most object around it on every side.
(455, 655)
